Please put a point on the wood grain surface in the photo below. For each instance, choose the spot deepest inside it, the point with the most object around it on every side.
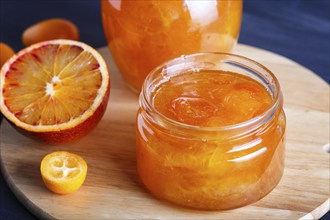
(112, 189)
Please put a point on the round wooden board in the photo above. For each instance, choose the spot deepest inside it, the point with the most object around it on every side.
(112, 189)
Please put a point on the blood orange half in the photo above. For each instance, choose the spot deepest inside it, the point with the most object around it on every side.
(56, 91)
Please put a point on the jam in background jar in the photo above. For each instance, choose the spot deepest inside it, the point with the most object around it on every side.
(210, 131)
(143, 34)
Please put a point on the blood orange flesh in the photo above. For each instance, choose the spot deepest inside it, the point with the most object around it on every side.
(55, 86)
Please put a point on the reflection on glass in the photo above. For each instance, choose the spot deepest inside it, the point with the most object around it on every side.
(202, 12)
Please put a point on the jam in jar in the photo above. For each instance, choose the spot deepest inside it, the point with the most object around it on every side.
(210, 131)
(143, 34)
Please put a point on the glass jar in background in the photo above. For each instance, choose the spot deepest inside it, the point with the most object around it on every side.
(143, 34)
(212, 168)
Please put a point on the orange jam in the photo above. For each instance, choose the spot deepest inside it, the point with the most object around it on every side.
(143, 34)
(211, 98)
(210, 131)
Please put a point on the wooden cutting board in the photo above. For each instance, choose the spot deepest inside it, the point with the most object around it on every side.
(112, 189)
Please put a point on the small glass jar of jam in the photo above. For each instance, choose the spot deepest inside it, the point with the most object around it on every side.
(210, 131)
(143, 34)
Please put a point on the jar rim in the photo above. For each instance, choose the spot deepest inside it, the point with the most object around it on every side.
(276, 101)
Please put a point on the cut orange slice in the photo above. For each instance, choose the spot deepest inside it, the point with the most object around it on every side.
(56, 91)
(63, 172)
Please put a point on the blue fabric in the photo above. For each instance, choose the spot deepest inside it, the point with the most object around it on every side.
(297, 29)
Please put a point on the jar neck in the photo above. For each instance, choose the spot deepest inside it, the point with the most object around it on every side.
(211, 61)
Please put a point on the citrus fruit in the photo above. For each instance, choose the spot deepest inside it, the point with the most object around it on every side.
(55, 91)
(50, 29)
(63, 172)
(5, 53)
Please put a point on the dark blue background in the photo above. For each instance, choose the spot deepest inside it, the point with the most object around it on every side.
(297, 29)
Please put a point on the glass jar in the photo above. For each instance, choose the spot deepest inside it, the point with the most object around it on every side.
(143, 34)
(210, 168)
